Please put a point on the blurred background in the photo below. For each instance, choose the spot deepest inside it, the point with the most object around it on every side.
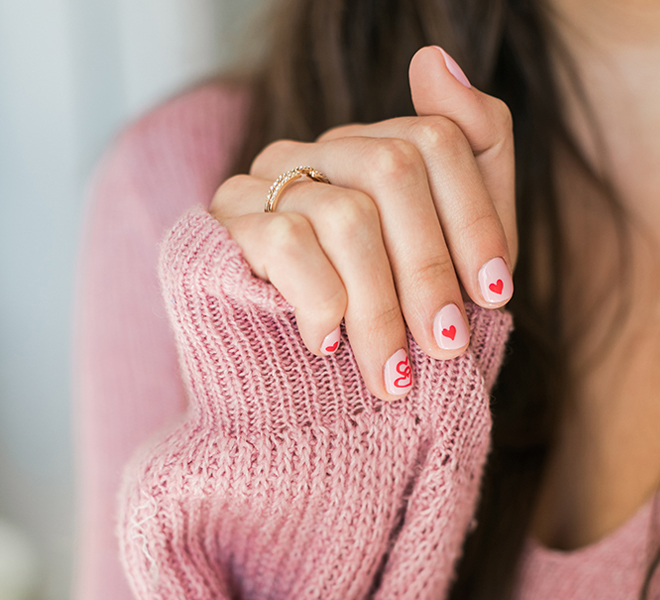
(72, 72)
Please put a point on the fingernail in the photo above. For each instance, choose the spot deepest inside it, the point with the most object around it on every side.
(449, 328)
(495, 282)
(454, 69)
(398, 374)
(331, 342)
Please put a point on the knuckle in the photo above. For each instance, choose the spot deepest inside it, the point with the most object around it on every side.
(386, 318)
(349, 213)
(224, 196)
(503, 115)
(434, 271)
(476, 227)
(393, 158)
(278, 148)
(286, 232)
(437, 132)
(236, 183)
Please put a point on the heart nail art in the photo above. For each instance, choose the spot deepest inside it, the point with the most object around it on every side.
(495, 282)
(450, 333)
(449, 328)
(398, 373)
(403, 368)
(331, 342)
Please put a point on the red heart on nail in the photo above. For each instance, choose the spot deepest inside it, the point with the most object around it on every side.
(497, 287)
(331, 349)
(450, 333)
(403, 368)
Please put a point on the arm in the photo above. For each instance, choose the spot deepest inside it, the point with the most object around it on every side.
(128, 382)
(127, 376)
(288, 479)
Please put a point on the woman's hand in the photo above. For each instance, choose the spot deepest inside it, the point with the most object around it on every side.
(418, 207)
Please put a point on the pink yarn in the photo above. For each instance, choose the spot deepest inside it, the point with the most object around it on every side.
(288, 479)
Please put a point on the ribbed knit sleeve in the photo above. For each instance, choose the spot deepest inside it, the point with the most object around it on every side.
(287, 478)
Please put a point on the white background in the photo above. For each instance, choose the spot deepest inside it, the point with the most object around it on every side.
(71, 73)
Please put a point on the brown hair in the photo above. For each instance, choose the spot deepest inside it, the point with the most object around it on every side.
(333, 62)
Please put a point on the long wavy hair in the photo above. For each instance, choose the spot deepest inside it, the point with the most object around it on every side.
(332, 62)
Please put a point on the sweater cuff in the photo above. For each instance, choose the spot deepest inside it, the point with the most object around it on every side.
(200, 250)
(247, 368)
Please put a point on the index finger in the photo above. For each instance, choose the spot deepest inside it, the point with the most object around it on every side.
(484, 120)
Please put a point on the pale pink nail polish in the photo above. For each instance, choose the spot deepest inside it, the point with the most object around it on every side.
(454, 69)
(495, 282)
(331, 342)
(449, 328)
(398, 374)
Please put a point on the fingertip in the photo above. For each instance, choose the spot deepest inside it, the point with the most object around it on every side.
(389, 398)
(495, 283)
(397, 374)
(331, 342)
(432, 71)
(426, 58)
(453, 68)
(450, 354)
(451, 331)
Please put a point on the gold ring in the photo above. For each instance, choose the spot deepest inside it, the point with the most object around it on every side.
(288, 178)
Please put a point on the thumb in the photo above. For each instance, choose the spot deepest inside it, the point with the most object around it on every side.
(439, 87)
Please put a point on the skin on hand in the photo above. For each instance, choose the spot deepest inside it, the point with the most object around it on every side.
(419, 210)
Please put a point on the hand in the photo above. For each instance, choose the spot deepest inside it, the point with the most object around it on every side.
(418, 208)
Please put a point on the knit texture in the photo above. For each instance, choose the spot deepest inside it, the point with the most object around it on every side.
(285, 478)
(609, 569)
(288, 479)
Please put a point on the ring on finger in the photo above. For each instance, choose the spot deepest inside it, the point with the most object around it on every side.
(285, 179)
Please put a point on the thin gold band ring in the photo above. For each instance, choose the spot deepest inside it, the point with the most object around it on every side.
(286, 179)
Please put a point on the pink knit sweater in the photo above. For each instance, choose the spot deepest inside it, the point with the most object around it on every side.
(275, 473)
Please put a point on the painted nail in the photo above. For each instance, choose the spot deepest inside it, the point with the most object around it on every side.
(454, 69)
(495, 282)
(398, 374)
(449, 328)
(331, 342)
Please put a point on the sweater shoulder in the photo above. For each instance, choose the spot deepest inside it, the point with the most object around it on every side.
(208, 113)
(177, 154)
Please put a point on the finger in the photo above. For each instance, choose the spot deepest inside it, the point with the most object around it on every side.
(353, 246)
(347, 225)
(485, 121)
(392, 173)
(439, 87)
(472, 226)
(282, 249)
(427, 141)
